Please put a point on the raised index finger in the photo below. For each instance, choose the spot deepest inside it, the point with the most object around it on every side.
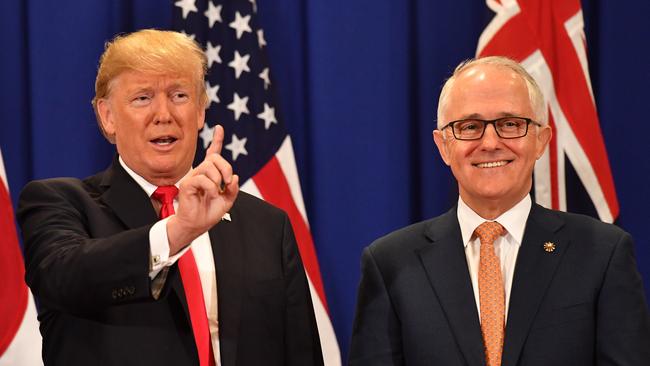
(217, 141)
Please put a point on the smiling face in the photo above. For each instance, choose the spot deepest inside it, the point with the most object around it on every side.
(154, 120)
(493, 174)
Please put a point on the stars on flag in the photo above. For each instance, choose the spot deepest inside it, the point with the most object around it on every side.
(240, 64)
(212, 92)
(240, 24)
(237, 67)
(187, 6)
(239, 106)
(264, 75)
(212, 53)
(268, 116)
(260, 38)
(213, 13)
(206, 135)
(237, 146)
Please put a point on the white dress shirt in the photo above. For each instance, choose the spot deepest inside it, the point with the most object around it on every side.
(506, 246)
(202, 250)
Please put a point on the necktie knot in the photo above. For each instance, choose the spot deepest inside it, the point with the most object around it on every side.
(165, 194)
(489, 231)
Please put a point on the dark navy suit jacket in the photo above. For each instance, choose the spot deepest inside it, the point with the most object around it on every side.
(581, 304)
(87, 262)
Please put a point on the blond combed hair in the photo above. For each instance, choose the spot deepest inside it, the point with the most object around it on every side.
(152, 51)
(535, 94)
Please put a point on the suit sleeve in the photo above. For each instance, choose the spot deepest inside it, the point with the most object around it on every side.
(69, 270)
(376, 331)
(623, 324)
(302, 343)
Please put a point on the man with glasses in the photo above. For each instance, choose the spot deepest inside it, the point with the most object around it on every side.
(499, 280)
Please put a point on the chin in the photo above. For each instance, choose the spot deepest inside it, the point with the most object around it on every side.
(493, 192)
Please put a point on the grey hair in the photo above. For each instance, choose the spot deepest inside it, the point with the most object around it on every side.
(535, 95)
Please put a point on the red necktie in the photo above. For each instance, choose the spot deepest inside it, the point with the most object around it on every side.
(491, 293)
(191, 284)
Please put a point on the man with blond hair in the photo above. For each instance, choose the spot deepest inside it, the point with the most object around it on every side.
(153, 262)
(499, 280)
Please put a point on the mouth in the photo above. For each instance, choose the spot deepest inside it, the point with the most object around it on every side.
(492, 164)
(164, 141)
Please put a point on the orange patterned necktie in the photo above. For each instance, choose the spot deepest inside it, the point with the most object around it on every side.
(491, 293)
(191, 284)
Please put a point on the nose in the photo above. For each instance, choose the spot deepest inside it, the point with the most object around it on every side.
(490, 138)
(162, 111)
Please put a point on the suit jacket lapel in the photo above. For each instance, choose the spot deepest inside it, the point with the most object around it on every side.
(533, 273)
(446, 267)
(126, 198)
(134, 208)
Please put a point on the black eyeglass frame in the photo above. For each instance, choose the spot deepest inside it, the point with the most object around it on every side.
(490, 122)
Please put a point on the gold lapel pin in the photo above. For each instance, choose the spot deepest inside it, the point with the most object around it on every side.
(549, 247)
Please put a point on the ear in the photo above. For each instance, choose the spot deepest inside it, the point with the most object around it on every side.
(441, 143)
(106, 117)
(544, 135)
(201, 119)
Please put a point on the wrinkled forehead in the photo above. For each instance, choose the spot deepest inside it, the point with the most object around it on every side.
(152, 79)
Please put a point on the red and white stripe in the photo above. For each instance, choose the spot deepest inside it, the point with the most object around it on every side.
(278, 183)
(547, 37)
(20, 341)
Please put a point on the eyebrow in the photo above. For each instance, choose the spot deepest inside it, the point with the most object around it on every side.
(480, 116)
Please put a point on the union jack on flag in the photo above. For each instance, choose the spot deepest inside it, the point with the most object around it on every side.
(256, 143)
(547, 37)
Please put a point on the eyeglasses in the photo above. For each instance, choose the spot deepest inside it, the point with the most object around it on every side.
(506, 127)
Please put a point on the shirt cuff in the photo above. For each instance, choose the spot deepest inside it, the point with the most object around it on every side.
(159, 248)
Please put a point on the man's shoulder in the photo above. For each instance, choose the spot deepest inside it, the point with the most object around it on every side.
(66, 185)
(579, 225)
(251, 205)
(413, 236)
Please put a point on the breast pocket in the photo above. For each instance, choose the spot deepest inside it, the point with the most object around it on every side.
(559, 316)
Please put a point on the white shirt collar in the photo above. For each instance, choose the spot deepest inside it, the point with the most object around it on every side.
(150, 188)
(146, 186)
(513, 220)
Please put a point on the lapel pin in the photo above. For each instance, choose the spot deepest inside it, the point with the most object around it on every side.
(549, 247)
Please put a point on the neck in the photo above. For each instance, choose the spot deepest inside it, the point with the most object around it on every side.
(490, 209)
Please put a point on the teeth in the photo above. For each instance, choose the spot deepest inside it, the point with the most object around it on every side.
(492, 164)
(164, 141)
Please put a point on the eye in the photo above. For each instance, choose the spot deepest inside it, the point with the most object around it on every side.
(180, 97)
(468, 126)
(511, 123)
(141, 100)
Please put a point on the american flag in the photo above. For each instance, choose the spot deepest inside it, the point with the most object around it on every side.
(20, 341)
(547, 37)
(241, 92)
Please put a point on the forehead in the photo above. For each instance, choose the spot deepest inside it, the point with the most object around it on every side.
(131, 80)
(488, 91)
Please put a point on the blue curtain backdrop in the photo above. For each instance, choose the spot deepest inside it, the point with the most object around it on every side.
(358, 83)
